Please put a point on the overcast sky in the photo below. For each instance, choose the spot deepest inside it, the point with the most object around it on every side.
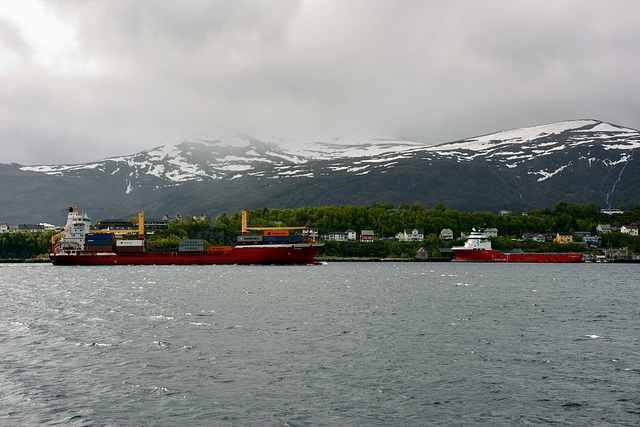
(84, 80)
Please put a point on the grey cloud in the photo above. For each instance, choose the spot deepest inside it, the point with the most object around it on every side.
(433, 71)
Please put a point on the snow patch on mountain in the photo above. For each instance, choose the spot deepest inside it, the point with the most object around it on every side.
(237, 156)
(224, 158)
(546, 175)
(311, 149)
(542, 140)
(516, 136)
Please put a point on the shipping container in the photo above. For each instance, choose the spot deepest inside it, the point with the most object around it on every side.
(98, 248)
(136, 243)
(191, 248)
(191, 242)
(276, 233)
(297, 238)
(92, 242)
(249, 238)
(98, 236)
(282, 239)
(269, 238)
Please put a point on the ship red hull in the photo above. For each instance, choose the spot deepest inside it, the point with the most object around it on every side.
(488, 255)
(302, 253)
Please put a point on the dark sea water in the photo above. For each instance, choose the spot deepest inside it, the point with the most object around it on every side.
(382, 344)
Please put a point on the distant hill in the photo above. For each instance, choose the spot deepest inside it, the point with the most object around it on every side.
(580, 161)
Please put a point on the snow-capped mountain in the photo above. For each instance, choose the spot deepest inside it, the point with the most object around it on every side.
(227, 158)
(582, 161)
(516, 147)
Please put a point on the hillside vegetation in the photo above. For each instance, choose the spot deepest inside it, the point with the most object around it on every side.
(385, 219)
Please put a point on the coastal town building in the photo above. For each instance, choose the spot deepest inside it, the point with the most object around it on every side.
(491, 232)
(446, 234)
(156, 223)
(611, 211)
(631, 230)
(30, 228)
(564, 238)
(422, 254)
(411, 235)
(539, 237)
(536, 237)
(488, 232)
(115, 224)
(603, 228)
(619, 254)
(367, 236)
(338, 236)
(592, 241)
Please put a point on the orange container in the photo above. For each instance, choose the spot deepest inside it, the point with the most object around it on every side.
(276, 232)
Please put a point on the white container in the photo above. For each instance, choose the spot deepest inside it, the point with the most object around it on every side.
(191, 248)
(136, 243)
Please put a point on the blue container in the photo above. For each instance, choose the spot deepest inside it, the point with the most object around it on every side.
(297, 238)
(282, 239)
(98, 236)
(97, 242)
(269, 238)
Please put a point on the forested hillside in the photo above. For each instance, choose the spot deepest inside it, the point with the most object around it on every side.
(385, 220)
(21, 245)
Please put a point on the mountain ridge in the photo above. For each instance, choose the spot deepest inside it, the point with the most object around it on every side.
(582, 161)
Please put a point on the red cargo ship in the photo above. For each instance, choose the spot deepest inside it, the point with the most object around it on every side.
(78, 246)
(478, 248)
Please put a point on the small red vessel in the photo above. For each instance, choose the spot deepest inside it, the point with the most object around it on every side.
(78, 246)
(478, 248)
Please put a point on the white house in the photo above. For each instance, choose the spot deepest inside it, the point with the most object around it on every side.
(446, 234)
(156, 223)
(603, 228)
(338, 236)
(31, 228)
(490, 232)
(631, 230)
(351, 234)
(540, 238)
(411, 235)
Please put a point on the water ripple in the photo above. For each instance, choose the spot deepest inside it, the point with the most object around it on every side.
(337, 344)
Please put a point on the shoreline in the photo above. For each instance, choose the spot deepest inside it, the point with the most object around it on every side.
(342, 259)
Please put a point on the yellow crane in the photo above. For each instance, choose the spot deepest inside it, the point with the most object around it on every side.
(245, 228)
